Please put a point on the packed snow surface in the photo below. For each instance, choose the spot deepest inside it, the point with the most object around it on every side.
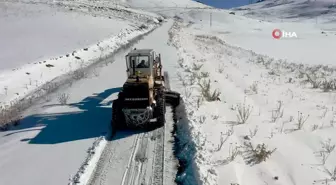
(243, 98)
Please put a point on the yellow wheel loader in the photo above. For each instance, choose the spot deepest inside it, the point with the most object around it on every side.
(145, 93)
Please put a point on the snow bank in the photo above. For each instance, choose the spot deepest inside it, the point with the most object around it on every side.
(187, 134)
(184, 148)
(255, 119)
(84, 173)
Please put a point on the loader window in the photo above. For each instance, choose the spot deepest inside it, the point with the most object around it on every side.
(140, 62)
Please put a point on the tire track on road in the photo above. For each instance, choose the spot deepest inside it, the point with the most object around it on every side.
(108, 158)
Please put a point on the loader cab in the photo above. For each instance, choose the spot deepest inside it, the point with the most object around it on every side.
(140, 62)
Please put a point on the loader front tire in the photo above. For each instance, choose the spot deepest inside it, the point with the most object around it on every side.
(161, 109)
(118, 118)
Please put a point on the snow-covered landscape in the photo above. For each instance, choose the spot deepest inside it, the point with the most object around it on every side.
(256, 110)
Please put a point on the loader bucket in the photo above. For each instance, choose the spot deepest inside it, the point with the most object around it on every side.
(172, 98)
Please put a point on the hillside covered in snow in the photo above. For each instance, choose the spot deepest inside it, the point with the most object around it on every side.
(321, 11)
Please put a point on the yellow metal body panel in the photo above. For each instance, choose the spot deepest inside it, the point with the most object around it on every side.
(145, 79)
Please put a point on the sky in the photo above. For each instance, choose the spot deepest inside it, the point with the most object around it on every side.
(225, 3)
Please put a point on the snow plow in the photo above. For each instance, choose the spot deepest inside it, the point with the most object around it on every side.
(142, 101)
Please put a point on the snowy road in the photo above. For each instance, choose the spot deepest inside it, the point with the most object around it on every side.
(65, 132)
(140, 163)
(137, 163)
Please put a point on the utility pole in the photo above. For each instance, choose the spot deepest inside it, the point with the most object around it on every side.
(210, 19)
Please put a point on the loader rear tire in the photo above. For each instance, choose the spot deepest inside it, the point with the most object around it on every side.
(118, 118)
(172, 98)
(160, 109)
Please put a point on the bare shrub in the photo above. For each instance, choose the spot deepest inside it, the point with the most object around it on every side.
(281, 130)
(206, 91)
(301, 74)
(6, 90)
(254, 87)
(313, 80)
(253, 132)
(47, 98)
(256, 155)
(324, 113)
(196, 67)
(315, 127)
(50, 87)
(182, 79)
(243, 113)
(179, 76)
(202, 119)
(185, 83)
(291, 118)
(260, 60)
(143, 26)
(223, 138)
(328, 85)
(220, 68)
(197, 76)
(181, 62)
(192, 79)
(301, 120)
(63, 98)
(4, 126)
(199, 101)
(278, 112)
(327, 146)
(332, 174)
(332, 122)
(188, 70)
(233, 153)
(79, 74)
(215, 117)
(205, 74)
(9, 115)
(272, 72)
(95, 72)
(187, 92)
(327, 149)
